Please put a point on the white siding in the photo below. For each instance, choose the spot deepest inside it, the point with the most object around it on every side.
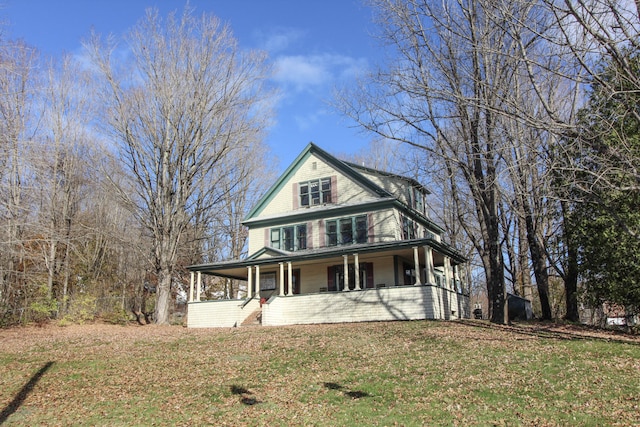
(386, 225)
(396, 186)
(348, 191)
(256, 240)
(400, 303)
(386, 228)
(383, 271)
(220, 313)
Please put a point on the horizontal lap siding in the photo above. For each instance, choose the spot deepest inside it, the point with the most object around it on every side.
(406, 303)
(402, 303)
(219, 314)
(385, 225)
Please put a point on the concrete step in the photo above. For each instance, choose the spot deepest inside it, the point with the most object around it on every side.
(254, 319)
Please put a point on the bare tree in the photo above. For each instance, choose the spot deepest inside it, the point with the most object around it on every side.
(589, 44)
(583, 36)
(447, 93)
(381, 154)
(61, 166)
(17, 69)
(178, 111)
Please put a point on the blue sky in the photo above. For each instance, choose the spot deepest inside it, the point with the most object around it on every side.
(315, 45)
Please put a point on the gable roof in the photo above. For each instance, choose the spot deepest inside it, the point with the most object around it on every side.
(267, 251)
(379, 172)
(337, 164)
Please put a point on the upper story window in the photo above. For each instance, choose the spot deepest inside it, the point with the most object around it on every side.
(419, 200)
(345, 231)
(291, 238)
(315, 192)
(409, 229)
(416, 199)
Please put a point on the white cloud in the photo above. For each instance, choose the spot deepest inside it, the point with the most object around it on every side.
(308, 73)
(301, 72)
(279, 39)
(310, 120)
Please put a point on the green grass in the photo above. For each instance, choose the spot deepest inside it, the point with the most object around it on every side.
(389, 373)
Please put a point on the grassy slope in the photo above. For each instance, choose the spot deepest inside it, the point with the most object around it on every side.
(395, 373)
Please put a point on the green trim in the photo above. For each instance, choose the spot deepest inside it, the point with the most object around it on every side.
(266, 250)
(415, 215)
(315, 213)
(337, 164)
(280, 182)
(335, 251)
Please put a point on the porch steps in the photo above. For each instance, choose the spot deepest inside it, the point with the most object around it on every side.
(254, 319)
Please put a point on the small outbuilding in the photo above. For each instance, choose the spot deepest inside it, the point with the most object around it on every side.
(519, 308)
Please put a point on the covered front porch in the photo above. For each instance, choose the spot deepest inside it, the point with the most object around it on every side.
(405, 280)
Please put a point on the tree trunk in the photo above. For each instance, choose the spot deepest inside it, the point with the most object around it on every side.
(163, 296)
(523, 261)
(571, 272)
(495, 280)
(539, 261)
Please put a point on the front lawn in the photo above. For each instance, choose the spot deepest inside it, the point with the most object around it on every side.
(387, 373)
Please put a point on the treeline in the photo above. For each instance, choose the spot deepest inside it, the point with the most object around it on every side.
(524, 117)
(120, 167)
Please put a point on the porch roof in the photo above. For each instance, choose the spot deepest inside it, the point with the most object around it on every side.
(237, 269)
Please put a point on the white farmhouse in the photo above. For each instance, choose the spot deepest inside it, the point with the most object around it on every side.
(332, 242)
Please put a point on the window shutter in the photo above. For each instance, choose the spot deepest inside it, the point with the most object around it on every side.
(310, 235)
(321, 234)
(296, 196)
(334, 189)
(371, 230)
(267, 237)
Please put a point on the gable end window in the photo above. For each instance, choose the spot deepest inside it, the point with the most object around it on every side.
(315, 192)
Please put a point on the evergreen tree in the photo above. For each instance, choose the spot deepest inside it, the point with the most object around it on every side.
(605, 173)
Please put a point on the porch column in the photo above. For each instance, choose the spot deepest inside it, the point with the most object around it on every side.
(346, 272)
(447, 272)
(416, 262)
(191, 288)
(356, 266)
(428, 262)
(281, 279)
(290, 277)
(199, 286)
(258, 281)
(249, 282)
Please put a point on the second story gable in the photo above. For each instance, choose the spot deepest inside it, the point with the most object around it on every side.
(315, 180)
